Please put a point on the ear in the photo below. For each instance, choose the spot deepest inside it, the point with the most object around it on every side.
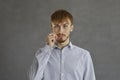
(72, 26)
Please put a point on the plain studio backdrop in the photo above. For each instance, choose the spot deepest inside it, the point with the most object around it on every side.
(24, 25)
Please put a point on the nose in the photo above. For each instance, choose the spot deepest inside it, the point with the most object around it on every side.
(60, 29)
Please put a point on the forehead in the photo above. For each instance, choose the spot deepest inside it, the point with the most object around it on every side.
(63, 21)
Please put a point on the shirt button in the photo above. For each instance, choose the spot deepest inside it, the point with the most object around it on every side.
(62, 62)
(62, 74)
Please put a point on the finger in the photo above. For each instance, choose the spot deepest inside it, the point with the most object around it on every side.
(51, 34)
(55, 35)
(51, 37)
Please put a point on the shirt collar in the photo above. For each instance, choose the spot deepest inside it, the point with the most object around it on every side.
(70, 45)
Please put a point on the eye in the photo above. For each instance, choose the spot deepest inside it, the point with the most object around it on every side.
(65, 25)
(56, 26)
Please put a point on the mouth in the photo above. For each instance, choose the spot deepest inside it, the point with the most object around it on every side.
(60, 36)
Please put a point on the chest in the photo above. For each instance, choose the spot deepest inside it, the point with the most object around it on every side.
(66, 61)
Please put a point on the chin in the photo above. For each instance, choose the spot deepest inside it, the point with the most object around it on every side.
(62, 40)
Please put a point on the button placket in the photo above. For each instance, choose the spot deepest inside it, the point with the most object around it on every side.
(62, 65)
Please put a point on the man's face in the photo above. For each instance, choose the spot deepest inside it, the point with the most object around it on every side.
(62, 30)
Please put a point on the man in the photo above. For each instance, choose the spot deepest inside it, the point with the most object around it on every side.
(60, 59)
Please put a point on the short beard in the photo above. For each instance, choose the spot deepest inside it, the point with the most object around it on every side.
(62, 41)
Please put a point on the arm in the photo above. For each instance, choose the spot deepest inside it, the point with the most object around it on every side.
(88, 68)
(41, 59)
(39, 63)
(33, 69)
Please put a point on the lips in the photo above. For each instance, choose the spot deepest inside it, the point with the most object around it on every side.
(60, 36)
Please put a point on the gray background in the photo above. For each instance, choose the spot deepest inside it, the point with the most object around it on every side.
(24, 25)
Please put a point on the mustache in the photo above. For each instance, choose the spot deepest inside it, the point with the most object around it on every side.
(59, 34)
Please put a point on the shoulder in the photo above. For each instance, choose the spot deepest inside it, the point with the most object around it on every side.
(81, 51)
(83, 54)
(43, 50)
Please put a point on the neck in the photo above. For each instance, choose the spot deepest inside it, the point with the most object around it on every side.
(61, 45)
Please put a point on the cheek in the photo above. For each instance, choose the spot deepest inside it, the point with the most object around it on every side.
(54, 31)
(67, 34)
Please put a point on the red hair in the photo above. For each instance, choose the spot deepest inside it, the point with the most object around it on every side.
(61, 15)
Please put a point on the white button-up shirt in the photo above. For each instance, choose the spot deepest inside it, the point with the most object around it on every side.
(69, 63)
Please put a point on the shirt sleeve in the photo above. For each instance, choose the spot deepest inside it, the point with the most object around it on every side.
(33, 69)
(89, 73)
(39, 63)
